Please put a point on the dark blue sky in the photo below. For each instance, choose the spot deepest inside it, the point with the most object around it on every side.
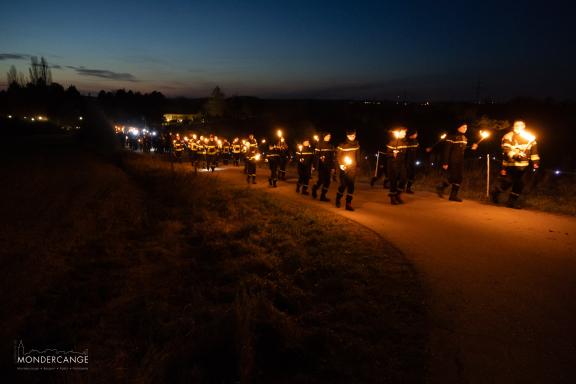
(434, 50)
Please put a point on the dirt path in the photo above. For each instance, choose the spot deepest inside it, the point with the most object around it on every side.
(500, 280)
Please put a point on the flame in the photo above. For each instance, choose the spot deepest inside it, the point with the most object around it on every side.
(257, 157)
(279, 133)
(484, 134)
(527, 136)
(347, 160)
(442, 136)
(316, 138)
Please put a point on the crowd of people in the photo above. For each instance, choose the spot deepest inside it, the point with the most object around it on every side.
(341, 162)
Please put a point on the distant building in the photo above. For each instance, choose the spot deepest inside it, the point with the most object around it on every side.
(181, 117)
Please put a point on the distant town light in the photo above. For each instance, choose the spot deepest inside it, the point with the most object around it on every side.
(417, 162)
(557, 172)
(9, 116)
(80, 118)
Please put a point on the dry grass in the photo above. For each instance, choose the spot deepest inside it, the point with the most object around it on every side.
(543, 190)
(169, 277)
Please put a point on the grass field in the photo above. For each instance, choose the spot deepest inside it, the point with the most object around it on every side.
(169, 277)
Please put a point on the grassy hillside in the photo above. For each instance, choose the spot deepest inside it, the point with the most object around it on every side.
(169, 277)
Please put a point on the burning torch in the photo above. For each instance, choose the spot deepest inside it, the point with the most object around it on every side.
(347, 163)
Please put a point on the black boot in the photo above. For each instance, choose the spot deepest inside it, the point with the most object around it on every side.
(440, 189)
(398, 198)
(248, 179)
(323, 196)
(305, 190)
(454, 193)
(314, 191)
(338, 198)
(494, 196)
(349, 203)
(393, 200)
(297, 187)
(270, 181)
(372, 181)
(409, 188)
(253, 179)
(513, 201)
(274, 183)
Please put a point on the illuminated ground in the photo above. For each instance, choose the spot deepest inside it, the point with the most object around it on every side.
(501, 281)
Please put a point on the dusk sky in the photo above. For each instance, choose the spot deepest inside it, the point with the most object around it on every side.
(426, 50)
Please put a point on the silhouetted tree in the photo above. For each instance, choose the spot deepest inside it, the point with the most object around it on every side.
(40, 73)
(15, 78)
(216, 103)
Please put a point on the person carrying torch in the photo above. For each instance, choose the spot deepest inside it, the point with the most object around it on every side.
(304, 156)
(236, 152)
(273, 157)
(284, 154)
(396, 164)
(412, 150)
(211, 153)
(252, 157)
(347, 160)
(453, 162)
(519, 149)
(324, 158)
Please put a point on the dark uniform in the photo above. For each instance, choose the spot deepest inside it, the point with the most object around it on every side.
(273, 157)
(396, 150)
(225, 152)
(284, 157)
(252, 156)
(211, 154)
(347, 160)
(236, 152)
(518, 152)
(324, 159)
(177, 148)
(412, 148)
(453, 156)
(304, 157)
(193, 151)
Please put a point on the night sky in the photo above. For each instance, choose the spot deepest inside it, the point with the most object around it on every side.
(421, 50)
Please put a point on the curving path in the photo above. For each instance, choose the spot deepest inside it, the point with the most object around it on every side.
(502, 282)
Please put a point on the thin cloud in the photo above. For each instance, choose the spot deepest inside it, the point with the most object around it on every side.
(13, 56)
(103, 74)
